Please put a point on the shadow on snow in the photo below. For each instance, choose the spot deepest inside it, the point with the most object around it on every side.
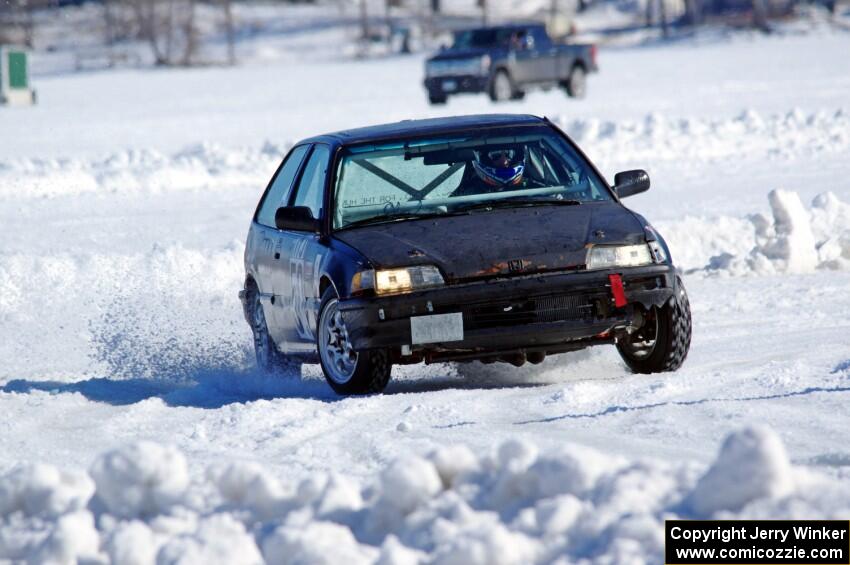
(216, 388)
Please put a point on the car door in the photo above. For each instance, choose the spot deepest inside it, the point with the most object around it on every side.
(546, 62)
(524, 57)
(297, 275)
(264, 239)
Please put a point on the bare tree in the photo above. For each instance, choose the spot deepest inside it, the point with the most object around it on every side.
(229, 31)
(364, 20)
(693, 12)
(168, 26)
(657, 9)
(17, 21)
(760, 15)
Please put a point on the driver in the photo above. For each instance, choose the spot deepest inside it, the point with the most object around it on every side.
(496, 170)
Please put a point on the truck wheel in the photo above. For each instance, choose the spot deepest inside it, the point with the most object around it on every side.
(437, 99)
(502, 87)
(664, 340)
(346, 370)
(577, 82)
(269, 358)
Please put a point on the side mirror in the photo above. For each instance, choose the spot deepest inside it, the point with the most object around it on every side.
(629, 183)
(296, 218)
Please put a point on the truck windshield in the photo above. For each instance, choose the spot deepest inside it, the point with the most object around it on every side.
(505, 167)
(472, 38)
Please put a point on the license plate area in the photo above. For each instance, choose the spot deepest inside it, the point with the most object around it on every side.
(449, 85)
(437, 328)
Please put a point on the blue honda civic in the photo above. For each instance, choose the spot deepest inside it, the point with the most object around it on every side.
(488, 238)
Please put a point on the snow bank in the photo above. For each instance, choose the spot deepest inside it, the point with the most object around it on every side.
(794, 240)
(204, 166)
(656, 137)
(515, 505)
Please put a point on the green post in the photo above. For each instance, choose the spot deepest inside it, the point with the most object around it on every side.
(14, 77)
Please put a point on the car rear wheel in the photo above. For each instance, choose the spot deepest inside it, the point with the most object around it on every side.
(502, 87)
(269, 358)
(577, 83)
(346, 370)
(437, 99)
(662, 343)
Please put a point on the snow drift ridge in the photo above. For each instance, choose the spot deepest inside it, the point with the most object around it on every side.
(139, 505)
(656, 137)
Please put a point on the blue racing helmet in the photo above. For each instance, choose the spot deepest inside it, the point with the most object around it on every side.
(500, 167)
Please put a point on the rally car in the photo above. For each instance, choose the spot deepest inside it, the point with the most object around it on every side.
(487, 238)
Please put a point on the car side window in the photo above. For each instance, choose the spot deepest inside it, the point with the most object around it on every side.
(278, 193)
(540, 36)
(310, 191)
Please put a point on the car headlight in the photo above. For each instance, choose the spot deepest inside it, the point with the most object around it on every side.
(395, 281)
(609, 256)
(485, 64)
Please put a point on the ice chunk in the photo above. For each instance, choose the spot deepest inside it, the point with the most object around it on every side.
(752, 464)
(452, 462)
(219, 539)
(132, 543)
(249, 485)
(74, 539)
(409, 482)
(393, 552)
(317, 543)
(793, 243)
(142, 479)
(43, 490)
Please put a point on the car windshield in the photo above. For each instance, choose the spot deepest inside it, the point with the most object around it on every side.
(472, 38)
(490, 168)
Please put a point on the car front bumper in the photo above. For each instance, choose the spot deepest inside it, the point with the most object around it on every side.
(547, 313)
(454, 84)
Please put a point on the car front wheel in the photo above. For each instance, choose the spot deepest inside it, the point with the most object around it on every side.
(502, 87)
(662, 343)
(346, 370)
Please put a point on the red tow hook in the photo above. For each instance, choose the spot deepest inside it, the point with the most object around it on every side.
(617, 290)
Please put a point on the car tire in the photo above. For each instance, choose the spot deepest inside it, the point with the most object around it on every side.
(663, 342)
(576, 83)
(502, 87)
(437, 99)
(347, 371)
(269, 358)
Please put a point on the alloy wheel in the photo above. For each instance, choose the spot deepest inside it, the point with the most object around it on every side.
(338, 356)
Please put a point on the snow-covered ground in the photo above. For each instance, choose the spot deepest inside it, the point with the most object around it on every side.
(124, 200)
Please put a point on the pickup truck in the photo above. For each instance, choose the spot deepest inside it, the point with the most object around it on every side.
(507, 61)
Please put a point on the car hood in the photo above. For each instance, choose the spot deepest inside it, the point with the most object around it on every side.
(499, 242)
(455, 54)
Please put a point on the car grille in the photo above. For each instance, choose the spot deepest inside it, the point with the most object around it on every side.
(454, 67)
(529, 311)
